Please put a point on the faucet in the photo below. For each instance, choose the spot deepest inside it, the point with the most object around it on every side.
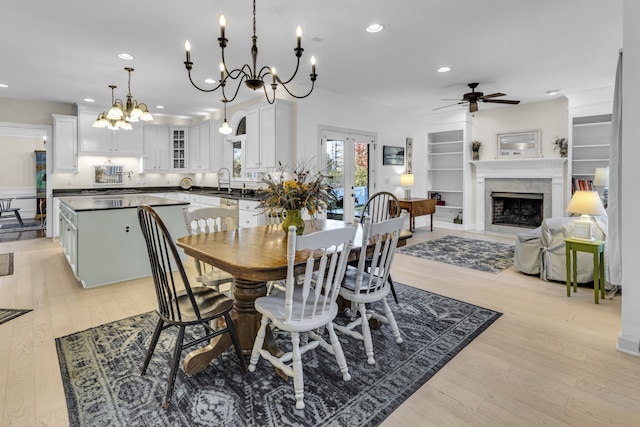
(228, 179)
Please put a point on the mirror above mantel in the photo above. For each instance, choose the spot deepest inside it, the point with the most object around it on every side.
(519, 145)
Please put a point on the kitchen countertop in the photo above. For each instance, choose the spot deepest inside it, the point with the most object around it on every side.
(236, 193)
(124, 201)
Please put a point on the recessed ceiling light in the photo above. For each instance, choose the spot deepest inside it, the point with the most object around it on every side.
(443, 69)
(89, 100)
(374, 28)
(125, 56)
(210, 81)
(160, 107)
(552, 92)
(3, 85)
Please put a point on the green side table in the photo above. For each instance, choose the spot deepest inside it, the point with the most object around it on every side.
(596, 247)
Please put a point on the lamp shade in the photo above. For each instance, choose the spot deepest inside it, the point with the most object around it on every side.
(586, 203)
(601, 178)
(406, 179)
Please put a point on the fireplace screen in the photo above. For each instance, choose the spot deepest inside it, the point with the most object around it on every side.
(517, 209)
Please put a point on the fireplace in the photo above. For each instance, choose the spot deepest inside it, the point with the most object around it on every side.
(517, 209)
(529, 178)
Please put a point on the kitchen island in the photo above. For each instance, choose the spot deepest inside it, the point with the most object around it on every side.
(101, 237)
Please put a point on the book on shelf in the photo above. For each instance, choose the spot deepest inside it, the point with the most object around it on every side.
(581, 184)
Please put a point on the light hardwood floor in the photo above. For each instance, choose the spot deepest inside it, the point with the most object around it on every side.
(549, 360)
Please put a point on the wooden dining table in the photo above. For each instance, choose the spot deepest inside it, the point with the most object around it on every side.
(253, 256)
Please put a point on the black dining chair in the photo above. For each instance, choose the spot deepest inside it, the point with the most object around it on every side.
(179, 304)
(5, 208)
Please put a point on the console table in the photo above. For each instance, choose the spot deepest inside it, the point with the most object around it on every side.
(418, 207)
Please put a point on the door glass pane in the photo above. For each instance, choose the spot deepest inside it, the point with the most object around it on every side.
(335, 172)
(361, 179)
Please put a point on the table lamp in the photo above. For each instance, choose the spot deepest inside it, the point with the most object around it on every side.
(601, 179)
(407, 180)
(585, 203)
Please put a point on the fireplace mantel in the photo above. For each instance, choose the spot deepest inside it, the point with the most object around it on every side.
(551, 168)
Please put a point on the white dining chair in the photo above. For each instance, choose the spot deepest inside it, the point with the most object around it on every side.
(369, 282)
(211, 220)
(307, 309)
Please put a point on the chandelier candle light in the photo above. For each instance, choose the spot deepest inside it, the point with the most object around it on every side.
(253, 77)
(122, 114)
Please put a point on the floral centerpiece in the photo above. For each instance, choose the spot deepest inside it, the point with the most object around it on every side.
(294, 191)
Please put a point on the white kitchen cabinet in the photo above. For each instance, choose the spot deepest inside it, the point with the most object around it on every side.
(199, 147)
(250, 214)
(179, 150)
(269, 136)
(104, 141)
(206, 201)
(156, 148)
(65, 143)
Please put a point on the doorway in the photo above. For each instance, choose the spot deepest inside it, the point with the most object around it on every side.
(348, 159)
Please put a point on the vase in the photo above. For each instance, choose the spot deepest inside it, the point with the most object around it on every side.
(476, 155)
(294, 217)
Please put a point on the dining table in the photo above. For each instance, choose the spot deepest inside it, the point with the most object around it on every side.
(253, 256)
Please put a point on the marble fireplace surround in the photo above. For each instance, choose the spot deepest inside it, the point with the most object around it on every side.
(546, 176)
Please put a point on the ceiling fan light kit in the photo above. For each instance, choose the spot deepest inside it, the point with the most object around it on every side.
(473, 97)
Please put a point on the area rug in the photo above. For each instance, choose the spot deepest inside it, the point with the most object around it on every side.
(492, 257)
(7, 314)
(100, 369)
(6, 264)
(15, 228)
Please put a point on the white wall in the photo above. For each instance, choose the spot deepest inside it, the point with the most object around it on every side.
(392, 127)
(550, 117)
(18, 161)
(629, 339)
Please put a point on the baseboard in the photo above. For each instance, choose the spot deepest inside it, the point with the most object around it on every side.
(629, 344)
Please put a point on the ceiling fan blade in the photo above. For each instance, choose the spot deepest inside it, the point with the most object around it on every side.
(493, 95)
(473, 107)
(447, 106)
(501, 101)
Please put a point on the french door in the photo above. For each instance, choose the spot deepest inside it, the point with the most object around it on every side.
(348, 159)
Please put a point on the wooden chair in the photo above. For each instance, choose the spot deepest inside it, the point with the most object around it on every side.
(5, 208)
(307, 308)
(380, 207)
(274, 218)
(210, 220)
(370, 282)
(178, 303)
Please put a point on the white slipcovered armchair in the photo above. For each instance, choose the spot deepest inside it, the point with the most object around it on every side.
(542, 250)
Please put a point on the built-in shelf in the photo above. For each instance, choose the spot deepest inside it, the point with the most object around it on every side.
(589, 142)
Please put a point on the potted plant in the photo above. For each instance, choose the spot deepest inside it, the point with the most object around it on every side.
(562, 145)
(475, 149)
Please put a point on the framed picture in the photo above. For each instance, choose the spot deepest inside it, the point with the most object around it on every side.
(107, 174)
(392, 155)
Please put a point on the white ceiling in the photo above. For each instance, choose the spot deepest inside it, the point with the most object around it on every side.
(65, 51)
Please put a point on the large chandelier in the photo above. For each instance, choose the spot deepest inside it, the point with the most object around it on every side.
(253, 77)
(122, 114)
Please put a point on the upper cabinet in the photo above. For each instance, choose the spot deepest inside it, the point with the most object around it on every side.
(102, 141)
(65, 143)
(199, 147)
(156, 148)
(178, 155)
(269, 136)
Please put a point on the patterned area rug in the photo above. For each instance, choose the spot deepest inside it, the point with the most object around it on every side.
(7, 314)
(101, 373)
(6, 264)
(492, 257)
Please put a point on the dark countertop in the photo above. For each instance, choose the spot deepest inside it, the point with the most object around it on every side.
(105, 202)
(236, 193)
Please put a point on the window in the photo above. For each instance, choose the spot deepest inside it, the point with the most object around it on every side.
(237, 159)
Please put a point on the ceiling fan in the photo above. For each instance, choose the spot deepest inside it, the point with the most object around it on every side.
(473, 97)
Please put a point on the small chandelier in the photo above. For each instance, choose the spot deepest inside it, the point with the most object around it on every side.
(249, 73)
(104, 122)
(122, 114)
